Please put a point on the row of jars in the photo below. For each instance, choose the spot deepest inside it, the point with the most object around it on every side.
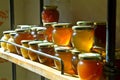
(67, 37)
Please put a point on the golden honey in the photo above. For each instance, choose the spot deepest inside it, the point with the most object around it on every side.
(62, 33)
(83, 38)
(65, 54)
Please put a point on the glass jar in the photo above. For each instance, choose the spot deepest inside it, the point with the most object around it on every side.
(65, 54)
(33, 45)
(5, 37)
(47, 48)
(62, 33)
(100, 34)
(75, 60)
(24, 52)
(41, 33)
(50, 14)
(22, 34)
(49, 29)
(90, 66)
(83, 38)
(11, 48)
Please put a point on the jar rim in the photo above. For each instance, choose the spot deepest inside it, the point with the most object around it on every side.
(99, 23)
(46, 44)
(85, 23)
(82, 27)
(34, 42)
(8, 32)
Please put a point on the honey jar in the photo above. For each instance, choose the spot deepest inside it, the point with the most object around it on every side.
(22, 34)
(33, 45)
(62, 33)
(47, 48)
(50, 14)
(5, 37)
(24, 52)
(65, 54)
(100, 34)
(83, 38)
(90, 66)
(11, 48)
(49, 29)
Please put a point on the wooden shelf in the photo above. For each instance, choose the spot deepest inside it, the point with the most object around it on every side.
(36, 67)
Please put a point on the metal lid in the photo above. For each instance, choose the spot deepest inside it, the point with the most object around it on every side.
(8, 32)
(74, 51)
(41, 29)
(63, 25)
(63, 49)
(13, 34)
(100, 23)
(49, 23)
(89, 56)
(34, 42)
(20, 30)
(82, 28)
(81, 23)
(46, 44)
(50, 7)
(26, 41)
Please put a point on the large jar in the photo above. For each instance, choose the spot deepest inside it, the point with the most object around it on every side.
(11, 48)
(5, 37)
(50, 14)
(83, 38)
(90, 66)
(62, 33)
(100, 34)
(47, 48)
(65, 54)
(49, 30)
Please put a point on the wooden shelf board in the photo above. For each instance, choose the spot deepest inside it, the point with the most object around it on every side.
(36, 67)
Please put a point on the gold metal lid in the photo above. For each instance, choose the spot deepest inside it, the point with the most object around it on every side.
(100, 23)
(81, 23)
(89, 56)
(62, 25)
(46, 44)
(50, 7)
(49, 23)
(34, 42)
(41, 29)
(25, 41)
(82, 28)
(63, 49)
(8, 32)
(74, 51)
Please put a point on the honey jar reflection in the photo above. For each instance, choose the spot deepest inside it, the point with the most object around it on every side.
(65, 54)
(83, 38)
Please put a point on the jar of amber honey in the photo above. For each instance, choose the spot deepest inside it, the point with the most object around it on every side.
(11, 48)
(24, 52)
(100, 34)
(5, 37)
(22, 34)
(83, 38)
(90, 66)
(65, 54)
(48, 31)
(50, 14)
(33, 45)
(47, 48)
(62, 33)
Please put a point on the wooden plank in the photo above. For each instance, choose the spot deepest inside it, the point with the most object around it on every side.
(36, 67)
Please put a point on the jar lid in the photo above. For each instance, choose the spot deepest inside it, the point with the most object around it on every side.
(20, 30)
(63, 49)
(25, 41)
(41, 29)
(74, 51)
(82, 28)
(24, 26)
(13, 34)
(34, 42)
(79, 23)
(50, 7)
(8, 32)
(89, 56)
(63, 25)
(100, 23)
(46, 44)
(49, 23)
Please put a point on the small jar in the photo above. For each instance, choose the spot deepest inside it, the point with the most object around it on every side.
(65, 54)
(22, 34)
(49, 29)
(90, 66)
(11, 48)
(75, 60)
(83, 38)
(62, 33)
(24, 52)
(5, 37)
(50, 14)
(100, 34)
(41, 33)
(47, 48)
(33, 45)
